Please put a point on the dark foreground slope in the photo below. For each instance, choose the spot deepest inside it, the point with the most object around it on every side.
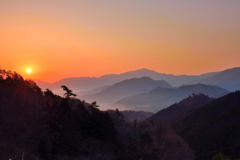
(132, 116)
(213, 128)
(20, 117)
(37, 124)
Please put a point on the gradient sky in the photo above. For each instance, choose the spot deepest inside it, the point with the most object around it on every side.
(73, 38)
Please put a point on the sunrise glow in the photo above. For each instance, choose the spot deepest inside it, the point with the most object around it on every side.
(29, 70)
(81, 38)
(120, 79)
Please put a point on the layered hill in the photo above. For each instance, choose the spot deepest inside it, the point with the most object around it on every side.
(213, 128)
(89, 83)
(89, 92)
(92, 86)
(125, 88)
(163, 97)
(175, 110)
(228, 79)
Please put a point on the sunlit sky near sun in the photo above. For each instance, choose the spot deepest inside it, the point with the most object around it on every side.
(72, 38)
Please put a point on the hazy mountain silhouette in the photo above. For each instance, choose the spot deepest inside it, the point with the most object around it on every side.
(84, 83)
(174, 80)
(42, 84)
(89, 83)
(228, 79)
(192, 101)
(125, 88)
(163, 97)
(92, 91)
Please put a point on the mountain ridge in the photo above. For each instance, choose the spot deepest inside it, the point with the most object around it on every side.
(126, 75)
(125, 88)
(227, 79)
(191, 102)
(164, 97)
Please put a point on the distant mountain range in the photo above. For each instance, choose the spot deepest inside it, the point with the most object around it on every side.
(163, 97)
(228, 79)
(125, 88)
(145, 89)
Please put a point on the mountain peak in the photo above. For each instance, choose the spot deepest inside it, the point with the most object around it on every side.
(145, 69)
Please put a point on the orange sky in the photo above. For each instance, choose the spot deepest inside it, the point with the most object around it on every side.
(61, 38)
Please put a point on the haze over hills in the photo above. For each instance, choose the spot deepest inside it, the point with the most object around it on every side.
(88, 92)
(125, 88)
(88, 83)
(228, 79)
(42, 84)
(163, 97)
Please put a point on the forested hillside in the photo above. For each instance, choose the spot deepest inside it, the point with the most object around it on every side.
(38, 124)
(41, 124)
(213, 128)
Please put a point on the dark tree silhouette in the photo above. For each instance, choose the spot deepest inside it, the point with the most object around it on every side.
(94, 104)
(68, 93)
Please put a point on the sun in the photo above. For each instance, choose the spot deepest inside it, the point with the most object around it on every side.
(29, 70)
